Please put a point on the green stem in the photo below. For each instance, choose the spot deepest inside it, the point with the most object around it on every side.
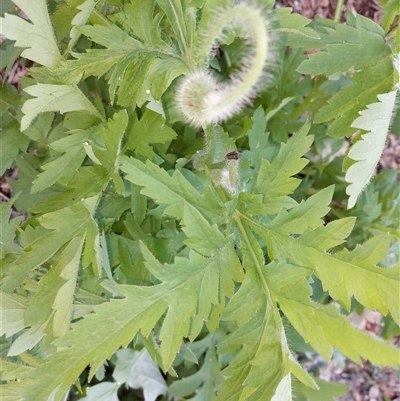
(338, 10)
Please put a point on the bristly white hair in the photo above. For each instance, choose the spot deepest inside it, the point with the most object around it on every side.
(202, 97)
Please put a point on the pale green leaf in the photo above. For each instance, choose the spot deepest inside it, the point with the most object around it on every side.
(345, 106)
(112, 134)
(259, 366)
(94, 62)
(65, 225)
(13, 371)
(203, 282)
(13, 311)
(124, 319)
(323, 327)
(173, 190)
(275, 181)
(8, 229)
(11, 391)
(88, 182)
(56, 291)
(62, 98)
(204, 382)
(161, 73)
(151, 128)
(111, 37)
(327, 237)
(258, 145)
(28, 339)
(174, 13)
(344, 274)
(390, 10)
(62, 19)
(307, 214)
(284, 390)
(202, 237)
(140, 20)
(132, 88)
(279, 357)
(63, 301)
(328, 391)
(363, 46)
(367, 151)
(37, 37)
(65, 166)
(107, 391)
(11, 142)
(275, 178)
(137, 369)
(208, 280)
(85, 9)
(294, 24)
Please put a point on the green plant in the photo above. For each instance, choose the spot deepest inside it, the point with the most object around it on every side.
(147, 227)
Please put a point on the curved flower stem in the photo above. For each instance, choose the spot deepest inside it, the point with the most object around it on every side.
(255, 24)
(203, 99)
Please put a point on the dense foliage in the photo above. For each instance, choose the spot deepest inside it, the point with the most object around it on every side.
(189, 180)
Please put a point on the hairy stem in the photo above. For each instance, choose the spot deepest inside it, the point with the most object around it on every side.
(202, 98)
